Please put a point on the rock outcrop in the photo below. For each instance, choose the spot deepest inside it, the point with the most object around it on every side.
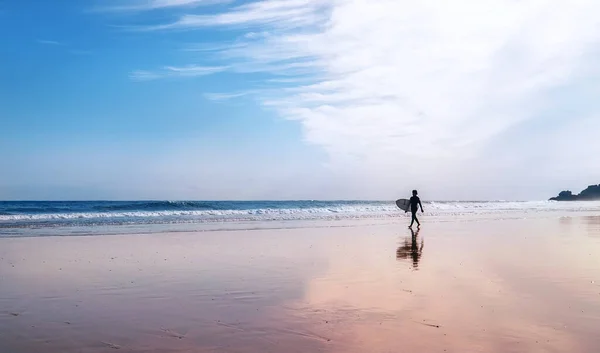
(591, 193)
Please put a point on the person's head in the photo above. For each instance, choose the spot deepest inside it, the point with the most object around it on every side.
(414, 192)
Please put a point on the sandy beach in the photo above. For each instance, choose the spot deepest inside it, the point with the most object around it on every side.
(469, 285)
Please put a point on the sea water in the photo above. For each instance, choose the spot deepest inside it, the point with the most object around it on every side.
(30, 218)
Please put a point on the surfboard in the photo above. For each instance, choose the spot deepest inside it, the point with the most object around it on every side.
(403, 204)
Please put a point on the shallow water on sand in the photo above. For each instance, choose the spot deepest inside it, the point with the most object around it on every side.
(519, 285)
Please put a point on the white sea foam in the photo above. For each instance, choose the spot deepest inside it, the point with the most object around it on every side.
(356, 210)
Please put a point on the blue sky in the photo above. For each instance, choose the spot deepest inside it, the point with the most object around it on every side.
(277, 99)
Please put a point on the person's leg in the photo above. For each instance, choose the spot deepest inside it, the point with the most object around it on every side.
(412, 220)
(416, 219)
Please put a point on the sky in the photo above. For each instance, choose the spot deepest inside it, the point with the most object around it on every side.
(298, 99)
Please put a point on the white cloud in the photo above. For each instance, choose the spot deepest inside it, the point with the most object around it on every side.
(147, 5)
(174, 72)
(226, 96)
(276, 13)
(193, 70)
(402, 91)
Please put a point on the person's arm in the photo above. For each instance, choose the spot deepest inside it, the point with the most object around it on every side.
(421, 206)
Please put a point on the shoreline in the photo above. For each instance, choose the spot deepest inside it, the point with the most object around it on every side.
(254, 225)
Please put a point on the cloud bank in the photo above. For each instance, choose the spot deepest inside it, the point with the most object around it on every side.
(465, 95)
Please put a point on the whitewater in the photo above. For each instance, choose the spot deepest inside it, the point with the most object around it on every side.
(22, 218)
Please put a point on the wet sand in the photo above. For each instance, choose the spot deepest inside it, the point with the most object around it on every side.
(526, 285)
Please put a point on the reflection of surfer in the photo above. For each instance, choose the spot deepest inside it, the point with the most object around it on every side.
(411, 250)
(415, 203)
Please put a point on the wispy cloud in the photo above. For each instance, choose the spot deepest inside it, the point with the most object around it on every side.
(65, 46)
(142, 75)
(275, 13)
(384, 84)
(49, 42)
(228, 96)
(137, 5)
(193, 70)
(174, 72)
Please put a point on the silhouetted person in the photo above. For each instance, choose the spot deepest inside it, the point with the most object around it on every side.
(415, 203)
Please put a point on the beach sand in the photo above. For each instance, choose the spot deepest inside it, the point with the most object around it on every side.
(467, 285)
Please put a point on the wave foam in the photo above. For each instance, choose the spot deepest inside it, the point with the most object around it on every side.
(339, 210)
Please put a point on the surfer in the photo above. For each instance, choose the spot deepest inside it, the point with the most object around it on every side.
(415, 203)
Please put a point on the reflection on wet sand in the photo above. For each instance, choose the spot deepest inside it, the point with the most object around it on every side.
(336, 290)
(565, 221)
(411, 249)
(593, 225)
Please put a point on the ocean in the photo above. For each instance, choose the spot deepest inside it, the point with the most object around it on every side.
(31, 218)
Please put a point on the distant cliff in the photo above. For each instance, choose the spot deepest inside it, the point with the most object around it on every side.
(592, 192)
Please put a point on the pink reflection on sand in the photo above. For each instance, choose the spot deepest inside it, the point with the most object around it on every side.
(484, 286)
